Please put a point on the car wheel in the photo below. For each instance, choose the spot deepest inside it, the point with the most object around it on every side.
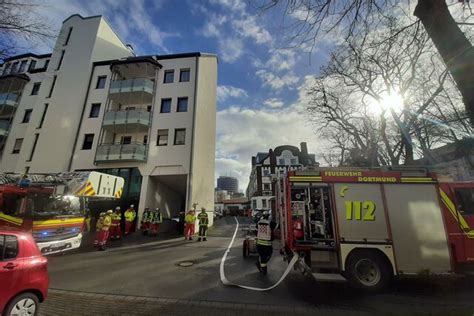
(368, 270)
(23, 304)
(245, 249)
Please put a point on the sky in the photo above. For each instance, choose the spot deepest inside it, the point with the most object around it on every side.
(261, 83)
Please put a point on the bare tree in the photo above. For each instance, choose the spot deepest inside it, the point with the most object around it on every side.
(20, 22)
(351, 18)
(352, 98)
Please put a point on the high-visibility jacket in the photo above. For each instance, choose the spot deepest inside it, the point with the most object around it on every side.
(130, 215)
(264, 233)
(147, 216)
(189, 219)
(156, 218)
(107, 222)
(116, 217)
(98, 225)
(203, 219)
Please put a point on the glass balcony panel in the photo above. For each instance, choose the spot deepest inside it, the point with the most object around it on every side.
(10, 99)
(138, 118)
(4, 127)
(131, 85)
(121, 152)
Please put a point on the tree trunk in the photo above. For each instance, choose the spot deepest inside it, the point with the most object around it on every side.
(453, 46)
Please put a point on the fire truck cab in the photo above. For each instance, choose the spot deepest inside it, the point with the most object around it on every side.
(368, 225)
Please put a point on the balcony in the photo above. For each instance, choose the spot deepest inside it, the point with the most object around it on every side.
(9, 99)
(121, 121)
(136, 90)
(120, 152)
(4, 127)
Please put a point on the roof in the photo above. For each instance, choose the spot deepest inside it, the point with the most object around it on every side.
(153, 57)
(243, 200)
(27, 55)
(138, 59)
(19, 76)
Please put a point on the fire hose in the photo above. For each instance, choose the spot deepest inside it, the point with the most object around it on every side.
(226, 282)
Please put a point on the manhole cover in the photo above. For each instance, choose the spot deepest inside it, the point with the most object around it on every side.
(185, 264)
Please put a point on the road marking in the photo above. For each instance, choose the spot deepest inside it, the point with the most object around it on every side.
(226, 282)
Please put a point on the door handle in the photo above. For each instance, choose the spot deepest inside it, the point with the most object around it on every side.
(10, 266)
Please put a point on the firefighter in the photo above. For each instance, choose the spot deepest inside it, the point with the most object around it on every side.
(189, 220)
(145, 223)
(129, 215)
(203, 219)
(265, 229)
(156, 220)
(98, 228)
(115, 229)
(104, 231)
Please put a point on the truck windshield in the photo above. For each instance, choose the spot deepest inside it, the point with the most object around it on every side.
(48, 206)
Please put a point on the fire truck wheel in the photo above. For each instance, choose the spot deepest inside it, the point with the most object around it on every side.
(245, 249)
(368, 270)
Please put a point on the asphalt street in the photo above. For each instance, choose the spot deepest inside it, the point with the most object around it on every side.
(153, 270)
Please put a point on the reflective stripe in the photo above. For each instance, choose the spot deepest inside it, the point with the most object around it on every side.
(305, 178)
(457, 216)
(264, 242)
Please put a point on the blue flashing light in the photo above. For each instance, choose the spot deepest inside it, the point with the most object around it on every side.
(44, 233)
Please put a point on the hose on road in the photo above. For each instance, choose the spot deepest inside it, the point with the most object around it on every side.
(226, 282)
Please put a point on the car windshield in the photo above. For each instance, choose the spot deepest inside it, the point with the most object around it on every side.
(49, 206)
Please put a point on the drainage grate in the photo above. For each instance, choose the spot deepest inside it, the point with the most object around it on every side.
(185, 264)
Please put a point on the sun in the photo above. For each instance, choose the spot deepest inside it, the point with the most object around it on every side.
(387, 101)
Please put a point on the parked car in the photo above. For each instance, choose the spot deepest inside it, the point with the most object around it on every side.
(23, 274)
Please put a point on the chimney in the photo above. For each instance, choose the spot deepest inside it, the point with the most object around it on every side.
(304, 149)
(254, 160)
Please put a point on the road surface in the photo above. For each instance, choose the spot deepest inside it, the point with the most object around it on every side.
(153, 271)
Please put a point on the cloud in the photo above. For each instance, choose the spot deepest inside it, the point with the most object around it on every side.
(276, 82)
(242, 132)
(282, 60)
(273, 103)
(231, 49)
(247, 27)
(226, 92)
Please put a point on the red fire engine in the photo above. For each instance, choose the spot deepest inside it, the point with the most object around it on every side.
(369, 225)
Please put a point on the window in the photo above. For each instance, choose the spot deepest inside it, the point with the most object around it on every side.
(8, 247)
(266, 186)
(36, 88)
(34, 147)
(14, 67)
(148, 108)
(44, 115)
(145, 139)
(46, 64)
(7, 68)
(60, 59)
(465, 199)
(264, 203)
(17, 146)
(68, 36)
(179, 136)
(266, 172)
(101, 82)
(293, 161)
(27, 116)
(23, 66)
(52, 87)
(254, 204)
(182, 104)
(88, 140)
(281, 161)
(162, 139)
(184, 75)
(95, 110)
(125, 140)
(32, 65)
(165, 106)
(169, 76)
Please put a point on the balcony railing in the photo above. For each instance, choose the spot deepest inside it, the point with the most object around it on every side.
(130, 117)
(131, 85)
(121, 152)
(10, 99)
(4, 127)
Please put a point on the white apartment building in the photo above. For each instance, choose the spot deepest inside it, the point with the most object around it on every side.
(93, 105)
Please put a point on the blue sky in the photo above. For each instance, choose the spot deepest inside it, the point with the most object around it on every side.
(261, 84)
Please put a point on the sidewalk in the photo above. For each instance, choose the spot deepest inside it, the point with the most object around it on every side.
(60, 302)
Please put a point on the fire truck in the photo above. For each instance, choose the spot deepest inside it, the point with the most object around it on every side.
(367, 226)
(53, 206)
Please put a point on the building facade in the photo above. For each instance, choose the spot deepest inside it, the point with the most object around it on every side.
(229, 184)
(266, 165)
(93, 105)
